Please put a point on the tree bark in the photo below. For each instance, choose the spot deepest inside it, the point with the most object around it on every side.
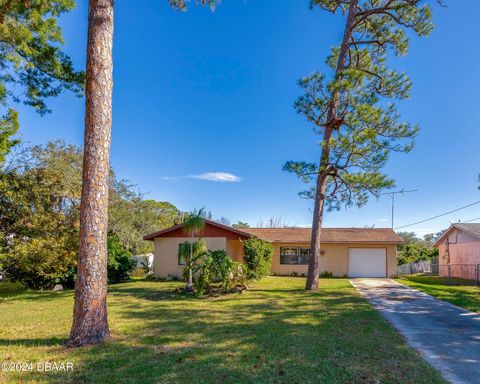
(322, 177)
(90, 324)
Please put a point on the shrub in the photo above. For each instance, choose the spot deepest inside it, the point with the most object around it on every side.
(120, 262)
(326, 274)
(216, 268)
(258, 257)
(39, 262)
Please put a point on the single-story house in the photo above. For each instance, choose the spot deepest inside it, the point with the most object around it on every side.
(354, 252)
(459, 251)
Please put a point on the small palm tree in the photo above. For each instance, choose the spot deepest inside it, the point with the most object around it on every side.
(194, 224)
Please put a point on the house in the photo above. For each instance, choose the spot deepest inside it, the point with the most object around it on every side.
(459, 251)
(354, 252)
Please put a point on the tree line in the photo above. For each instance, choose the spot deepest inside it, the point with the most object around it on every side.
(40, 189)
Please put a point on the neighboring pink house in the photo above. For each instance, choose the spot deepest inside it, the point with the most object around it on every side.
(459, 251)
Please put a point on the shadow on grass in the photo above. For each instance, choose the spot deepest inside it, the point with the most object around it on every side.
(50, 341)
(265, 336)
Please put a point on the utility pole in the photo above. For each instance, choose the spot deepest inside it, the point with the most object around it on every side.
(392, 195)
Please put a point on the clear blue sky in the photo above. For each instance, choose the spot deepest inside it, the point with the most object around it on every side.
(197, 92)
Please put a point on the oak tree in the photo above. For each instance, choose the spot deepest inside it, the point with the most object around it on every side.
(352, 109)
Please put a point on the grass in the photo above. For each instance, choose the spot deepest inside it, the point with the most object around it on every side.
(460, 292)
(274, 333)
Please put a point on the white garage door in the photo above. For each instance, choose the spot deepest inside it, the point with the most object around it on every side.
(367, 262)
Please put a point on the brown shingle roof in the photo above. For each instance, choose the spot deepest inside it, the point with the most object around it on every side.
(329, 235)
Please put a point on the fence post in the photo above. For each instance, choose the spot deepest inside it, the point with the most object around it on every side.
(449, 274)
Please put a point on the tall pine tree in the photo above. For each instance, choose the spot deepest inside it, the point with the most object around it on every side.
(90, 324)
(352, 109)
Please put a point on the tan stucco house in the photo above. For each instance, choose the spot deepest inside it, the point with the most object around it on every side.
(459, 251)
(353, 252)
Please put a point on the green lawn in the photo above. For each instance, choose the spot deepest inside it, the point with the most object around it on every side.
(461, 292)
(274, 333)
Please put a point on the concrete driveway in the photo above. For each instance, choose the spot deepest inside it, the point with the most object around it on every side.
(447, 336)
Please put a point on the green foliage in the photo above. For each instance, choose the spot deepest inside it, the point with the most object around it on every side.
(194, 221)
(40, 191)
(353, 109)
(258, 257)
(192, 252)
(120, 262)
(8, 128)
(240, 225)
(131, 217)
(326, 274)
(39, 216)
(216, 268)
(416, 249)
(39, 262)
(33, 66)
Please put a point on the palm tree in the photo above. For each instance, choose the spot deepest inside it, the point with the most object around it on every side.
(194, 224)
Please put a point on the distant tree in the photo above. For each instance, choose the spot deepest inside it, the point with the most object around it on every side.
(273, 222)
(240, 225)
(33, 66)
(358, 129)
(415, 248)
(224, 221)
(131, 217)
(40, 189)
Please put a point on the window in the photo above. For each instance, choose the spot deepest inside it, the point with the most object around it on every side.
(296, 256)
(181, 258)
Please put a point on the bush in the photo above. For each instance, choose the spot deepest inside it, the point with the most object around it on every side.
(258, 257)
(216, 268)
(326, 274)
(39, 263)
(120, 262)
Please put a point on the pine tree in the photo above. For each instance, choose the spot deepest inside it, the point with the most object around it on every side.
(32, 64)
(353, 110)
(90, 323)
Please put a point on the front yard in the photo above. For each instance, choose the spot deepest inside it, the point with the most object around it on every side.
(461, 292)
(274, 333)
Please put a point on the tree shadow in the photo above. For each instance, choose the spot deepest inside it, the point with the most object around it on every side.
(264, 336)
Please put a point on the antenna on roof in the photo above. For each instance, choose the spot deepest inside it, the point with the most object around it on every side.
(392, 195)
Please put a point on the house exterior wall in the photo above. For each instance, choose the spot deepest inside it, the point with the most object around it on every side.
(165, 262)
(464, 252)
(335, 259)
(235, 250)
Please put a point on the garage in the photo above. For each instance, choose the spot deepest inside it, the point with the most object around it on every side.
(367, 262)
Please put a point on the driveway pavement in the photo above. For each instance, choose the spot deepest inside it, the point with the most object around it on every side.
(447, 336)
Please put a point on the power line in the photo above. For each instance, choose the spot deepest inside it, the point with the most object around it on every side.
(468, 221)
(443, 214)
(392, 195)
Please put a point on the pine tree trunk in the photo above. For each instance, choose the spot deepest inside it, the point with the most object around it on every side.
(90, 324)
(322, 177)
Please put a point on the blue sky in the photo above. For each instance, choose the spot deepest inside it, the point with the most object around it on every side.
(198, 93)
